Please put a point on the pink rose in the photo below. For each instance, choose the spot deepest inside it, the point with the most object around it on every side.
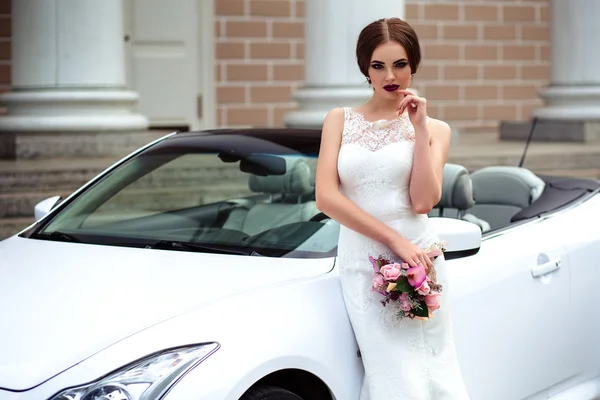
(424, 288)
(404, 302)
(416, 276)
(374, 264)
(391, 272)
(378, 281)
(432, 301)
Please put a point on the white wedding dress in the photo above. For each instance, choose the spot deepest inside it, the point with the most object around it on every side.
(409, 359)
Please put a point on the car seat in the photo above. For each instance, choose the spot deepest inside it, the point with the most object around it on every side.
(457, 197)
(503, 191)
(285, 205)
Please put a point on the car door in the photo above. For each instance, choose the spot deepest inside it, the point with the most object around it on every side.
(511, 310)
(581, 229)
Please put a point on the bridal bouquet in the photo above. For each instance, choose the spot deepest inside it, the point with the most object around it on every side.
(410, 289)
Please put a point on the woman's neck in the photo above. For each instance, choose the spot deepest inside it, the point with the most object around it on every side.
(381, 106)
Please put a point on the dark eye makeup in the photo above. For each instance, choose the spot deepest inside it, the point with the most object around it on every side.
(398, 64)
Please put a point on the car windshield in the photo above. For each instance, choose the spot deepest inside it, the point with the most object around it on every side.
(218, 193)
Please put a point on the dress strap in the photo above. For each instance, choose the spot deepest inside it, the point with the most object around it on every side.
(346, 118)
(347, 113)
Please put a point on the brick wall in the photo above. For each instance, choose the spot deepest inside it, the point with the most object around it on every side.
(259, 57)
(483, 60)
(5, 52)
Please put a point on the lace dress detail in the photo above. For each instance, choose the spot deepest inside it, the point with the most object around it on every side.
(375, 135)
(408, 359)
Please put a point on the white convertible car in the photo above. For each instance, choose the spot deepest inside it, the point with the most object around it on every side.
(199, 268)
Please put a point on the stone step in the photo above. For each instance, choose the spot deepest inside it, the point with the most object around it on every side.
(11, 226)
(21, 205)
(540, 157)
(56, 175)
(48, 145)
(588, 173)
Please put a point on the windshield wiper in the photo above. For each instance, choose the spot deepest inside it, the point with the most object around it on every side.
(58, 236)
(178, 245)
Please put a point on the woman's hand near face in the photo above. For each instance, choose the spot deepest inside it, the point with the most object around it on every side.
(416, 107)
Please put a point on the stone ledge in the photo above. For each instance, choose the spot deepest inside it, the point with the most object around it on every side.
(36, 145)
(12, 226)
(547, 130)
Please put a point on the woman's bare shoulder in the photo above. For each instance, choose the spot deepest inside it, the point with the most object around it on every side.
(334, 121)
(438, 129)
(336, 114)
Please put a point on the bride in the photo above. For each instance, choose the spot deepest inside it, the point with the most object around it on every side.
(379, 173)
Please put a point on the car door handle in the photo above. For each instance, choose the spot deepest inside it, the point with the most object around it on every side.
(545, 269)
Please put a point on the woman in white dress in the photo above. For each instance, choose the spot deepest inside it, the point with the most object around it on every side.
(379, 173)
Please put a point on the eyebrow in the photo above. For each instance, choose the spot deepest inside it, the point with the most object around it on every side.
(381, 62)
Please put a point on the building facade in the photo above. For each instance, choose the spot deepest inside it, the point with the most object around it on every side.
(234, 63)
(483, 61)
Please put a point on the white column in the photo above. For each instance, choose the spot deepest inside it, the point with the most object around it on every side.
(332, 76)
(68, 68)
(574, 90)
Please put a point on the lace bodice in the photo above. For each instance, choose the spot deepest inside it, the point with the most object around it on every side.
(375, 163)
(375, 135)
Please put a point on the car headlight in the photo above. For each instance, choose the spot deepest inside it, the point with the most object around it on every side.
(149, 378)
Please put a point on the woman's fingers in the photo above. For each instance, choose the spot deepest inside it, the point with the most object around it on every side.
(403, 105)
(409, 101)
(426, 261)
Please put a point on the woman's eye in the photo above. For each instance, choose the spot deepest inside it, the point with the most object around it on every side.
(376, 66)
(401, 65)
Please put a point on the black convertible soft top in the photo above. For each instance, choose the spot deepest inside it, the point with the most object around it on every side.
(559, 192)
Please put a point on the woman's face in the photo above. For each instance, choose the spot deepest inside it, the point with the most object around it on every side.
(389, 70)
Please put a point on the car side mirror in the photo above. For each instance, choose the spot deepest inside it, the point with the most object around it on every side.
(42, 208)
(462, 238)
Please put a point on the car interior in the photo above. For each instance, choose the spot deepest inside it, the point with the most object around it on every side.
(489, 197)
(285, 200)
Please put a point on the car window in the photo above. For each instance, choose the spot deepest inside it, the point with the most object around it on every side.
(244, 198)
(189, 181)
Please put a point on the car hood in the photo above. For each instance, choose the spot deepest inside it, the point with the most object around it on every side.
(63, 302)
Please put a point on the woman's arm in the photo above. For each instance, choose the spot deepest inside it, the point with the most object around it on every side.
(332, 202)
(432, 143)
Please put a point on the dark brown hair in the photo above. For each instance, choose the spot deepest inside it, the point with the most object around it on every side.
(387, 30)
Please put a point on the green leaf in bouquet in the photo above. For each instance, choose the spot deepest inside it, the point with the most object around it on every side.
(421, 310)
(402, 285)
